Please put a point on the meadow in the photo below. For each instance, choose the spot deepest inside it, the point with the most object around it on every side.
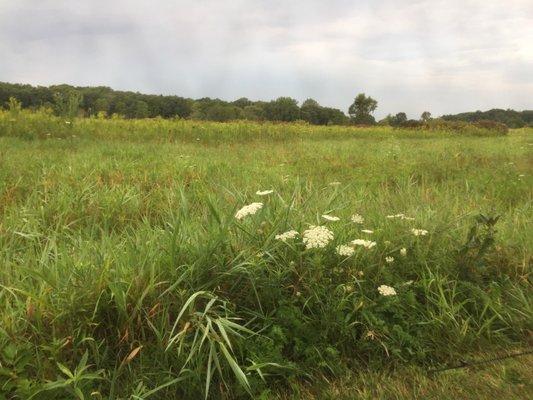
(175, 259)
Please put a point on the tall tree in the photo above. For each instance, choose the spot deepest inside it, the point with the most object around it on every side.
(282, 109)
(362, 108)
(425, 117)
(398, 119)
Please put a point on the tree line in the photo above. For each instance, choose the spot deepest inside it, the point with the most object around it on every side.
(102, 101)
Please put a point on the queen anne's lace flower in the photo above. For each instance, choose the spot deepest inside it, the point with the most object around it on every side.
(264, 192)
(344, 250)
(287, 235)
(403, 251)
(365, 243)
(330, 217)
(389, 260)
(317, 237)
(395, 216)
(385, 290)
(357, 219)
(400, 216)
(250, 209)
(419, 232)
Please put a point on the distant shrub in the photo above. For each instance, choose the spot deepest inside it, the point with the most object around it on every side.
(412, 123)
(480, 128)
(502, 129)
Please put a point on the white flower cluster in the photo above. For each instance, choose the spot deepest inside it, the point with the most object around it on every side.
(264, 192)
(389, 260)
(357, 219)
(344, 250)
(400, 216)
(287, 235)
(368, 244)
(330, 217)
(419, 232)
(385, 290)
(250, 209)
(403, 251)
(317, 237)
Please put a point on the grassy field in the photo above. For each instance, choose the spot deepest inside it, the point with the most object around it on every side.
(125, 274)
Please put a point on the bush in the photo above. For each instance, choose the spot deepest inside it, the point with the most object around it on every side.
(498, 127)
(480, 128)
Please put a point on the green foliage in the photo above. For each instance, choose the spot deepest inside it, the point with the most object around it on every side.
(472, 256)
(315, 114)
(14, 106)
(67, 104)
(399, 119)
(480, 128)
(425, 116)
(510, 118)
(69, 101)
(361, 110)
(282, 109)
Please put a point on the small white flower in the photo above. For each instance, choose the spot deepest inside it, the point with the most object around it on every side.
(287, 235)
(395, 216)
(250, 209)
(330, 217)
(385, 290)
(334, 183)
(349, 288)
(389, 260)
(367, 231)
(344, 250)
(419, 232)
(403, 251)
(317, 237)
(264, 192)
(357, 219)
(67, 122)
(368, 244)
(400, 216)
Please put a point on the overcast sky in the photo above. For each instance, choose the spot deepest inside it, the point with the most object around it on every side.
(443, 56)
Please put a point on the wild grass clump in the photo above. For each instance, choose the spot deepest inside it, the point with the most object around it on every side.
(142, 263)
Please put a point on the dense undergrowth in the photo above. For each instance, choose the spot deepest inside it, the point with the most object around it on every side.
(125, 273)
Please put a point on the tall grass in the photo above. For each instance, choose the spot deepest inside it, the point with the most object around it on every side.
(125, 275)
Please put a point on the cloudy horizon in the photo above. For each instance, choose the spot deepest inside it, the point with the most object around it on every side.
(440, 56)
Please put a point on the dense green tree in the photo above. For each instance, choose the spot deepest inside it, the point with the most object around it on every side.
(398, 119)
(223, 112)
(311, 112)
(242, 102)
(282, 109)
(102, 101)
(254, 112)
(425, 116)
(361, 110)
(140, 109)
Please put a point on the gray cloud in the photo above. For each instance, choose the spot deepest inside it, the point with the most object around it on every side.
(443, 56)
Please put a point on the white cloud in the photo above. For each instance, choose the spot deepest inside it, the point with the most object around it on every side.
(444, 56)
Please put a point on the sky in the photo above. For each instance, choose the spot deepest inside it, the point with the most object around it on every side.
(441, 56)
